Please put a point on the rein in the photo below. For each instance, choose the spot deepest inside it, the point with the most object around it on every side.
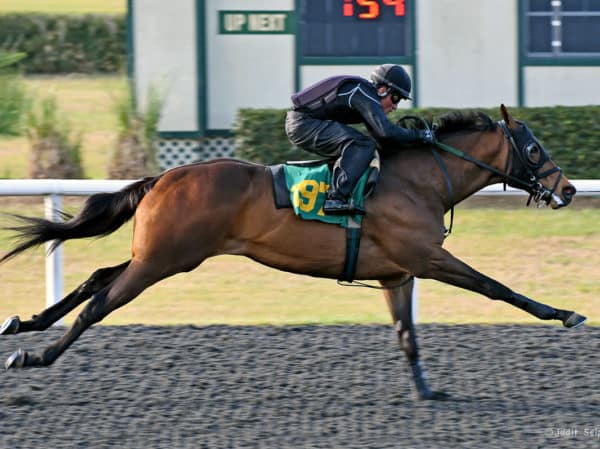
(505, 175)
(536, 190)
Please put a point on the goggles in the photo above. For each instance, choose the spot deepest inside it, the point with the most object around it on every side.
(395, 96)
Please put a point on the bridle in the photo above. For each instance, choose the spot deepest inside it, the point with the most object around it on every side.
(522, 166)
(525, 169)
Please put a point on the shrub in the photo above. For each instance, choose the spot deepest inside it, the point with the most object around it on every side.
(55, 153)
(13, 95)
(8, 59)
(260, 137)
(135, 152)
(66, 43)
(570, 134)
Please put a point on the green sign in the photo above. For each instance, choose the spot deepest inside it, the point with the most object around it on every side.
(256, 22)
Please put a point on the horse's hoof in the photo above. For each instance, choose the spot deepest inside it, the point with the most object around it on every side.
(10, 326)
(434, 396)
(574, 320)
(16, 360)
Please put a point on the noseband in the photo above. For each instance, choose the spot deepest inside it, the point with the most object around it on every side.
(525, 170)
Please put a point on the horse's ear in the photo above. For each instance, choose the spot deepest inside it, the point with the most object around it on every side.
(505, 115)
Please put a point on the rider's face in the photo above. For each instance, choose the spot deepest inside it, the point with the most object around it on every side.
(387, 104)
(390, 101)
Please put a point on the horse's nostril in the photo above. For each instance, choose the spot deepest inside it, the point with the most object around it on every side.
(569, 191)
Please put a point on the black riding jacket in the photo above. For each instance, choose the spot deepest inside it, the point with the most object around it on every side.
(356, 101)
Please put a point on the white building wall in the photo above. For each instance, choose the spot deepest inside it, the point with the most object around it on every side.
(558, 85)
(246, 71)
(467, 53)
(165, 58)
(466, 56)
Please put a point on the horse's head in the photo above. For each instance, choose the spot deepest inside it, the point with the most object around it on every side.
(531, 165)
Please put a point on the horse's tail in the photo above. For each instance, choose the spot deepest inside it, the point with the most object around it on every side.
(102, 214)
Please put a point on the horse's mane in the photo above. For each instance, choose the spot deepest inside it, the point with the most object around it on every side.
(452, 122)
(456, 121)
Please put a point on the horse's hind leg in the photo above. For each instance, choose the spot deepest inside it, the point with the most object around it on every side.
(96, 282)
(133, 280)
(399, 301)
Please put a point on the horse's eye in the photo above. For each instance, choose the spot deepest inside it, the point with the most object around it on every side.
(533, 152)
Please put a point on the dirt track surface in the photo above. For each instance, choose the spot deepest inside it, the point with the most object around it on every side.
(304, 387)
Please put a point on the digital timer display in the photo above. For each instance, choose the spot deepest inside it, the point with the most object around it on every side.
(371, 9)
(355, 28)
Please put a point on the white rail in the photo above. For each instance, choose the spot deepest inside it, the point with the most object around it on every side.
(585, 187)
(54, 189)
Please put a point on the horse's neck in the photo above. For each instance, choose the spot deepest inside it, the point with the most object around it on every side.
(419, 171)
(467, 178)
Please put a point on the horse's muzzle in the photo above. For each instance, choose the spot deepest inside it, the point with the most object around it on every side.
(566, 196)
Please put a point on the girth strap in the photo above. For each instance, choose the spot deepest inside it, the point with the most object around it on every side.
(353, 232)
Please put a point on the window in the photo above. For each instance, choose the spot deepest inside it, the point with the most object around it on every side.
(562, 29)
(355, 28)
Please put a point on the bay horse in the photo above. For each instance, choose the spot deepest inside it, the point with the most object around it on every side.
(225, 206)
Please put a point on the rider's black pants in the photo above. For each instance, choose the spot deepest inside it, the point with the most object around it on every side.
(333, 139)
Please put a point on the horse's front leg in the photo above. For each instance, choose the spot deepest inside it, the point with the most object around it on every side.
(446, 268)
(398, 295)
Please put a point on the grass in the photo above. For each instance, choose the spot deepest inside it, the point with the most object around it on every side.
(550, 256)
(64, 6)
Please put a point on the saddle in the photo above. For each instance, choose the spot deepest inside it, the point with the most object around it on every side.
(303, 185)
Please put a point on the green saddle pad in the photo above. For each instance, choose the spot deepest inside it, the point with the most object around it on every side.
(308, 190)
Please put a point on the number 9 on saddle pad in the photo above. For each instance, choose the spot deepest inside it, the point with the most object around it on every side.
(303, 186)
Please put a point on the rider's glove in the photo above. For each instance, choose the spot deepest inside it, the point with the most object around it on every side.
(427, 136)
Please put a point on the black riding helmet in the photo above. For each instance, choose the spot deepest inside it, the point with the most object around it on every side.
(395, 77)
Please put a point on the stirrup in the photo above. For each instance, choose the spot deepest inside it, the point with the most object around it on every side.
(336, 206)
